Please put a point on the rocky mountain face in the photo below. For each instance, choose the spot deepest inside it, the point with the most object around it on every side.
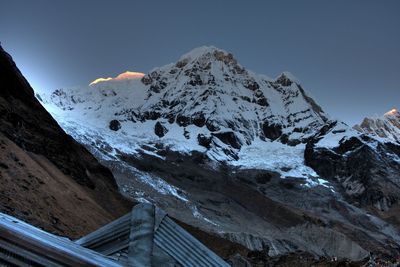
(252, 159)
(386, 126)
(47, 178)
(367, 169)
(207, 87)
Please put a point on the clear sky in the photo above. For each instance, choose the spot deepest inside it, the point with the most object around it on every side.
(345, 52)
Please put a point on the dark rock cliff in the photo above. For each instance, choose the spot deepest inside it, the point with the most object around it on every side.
(366, 170)
(36, 152)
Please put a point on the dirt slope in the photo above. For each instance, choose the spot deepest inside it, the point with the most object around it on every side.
(46, 177)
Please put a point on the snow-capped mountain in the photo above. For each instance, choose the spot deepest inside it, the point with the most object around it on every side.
(386, 126)
(205, 102)
(251, 158)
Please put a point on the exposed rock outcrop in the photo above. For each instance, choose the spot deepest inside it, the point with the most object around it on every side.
(159, 129)
(386, 126)
(367, 170)
(114, 125)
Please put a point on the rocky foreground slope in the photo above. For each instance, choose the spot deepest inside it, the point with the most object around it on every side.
(46, 177)
(250, 158)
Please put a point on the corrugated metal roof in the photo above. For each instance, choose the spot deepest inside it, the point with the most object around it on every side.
(145, 235)
(183, 247)
(110, 238)
(168, 236)
(24, 245)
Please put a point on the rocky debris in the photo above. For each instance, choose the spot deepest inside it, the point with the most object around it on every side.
(260, 211)
(299, 259)
(114, 125)
(159, 129)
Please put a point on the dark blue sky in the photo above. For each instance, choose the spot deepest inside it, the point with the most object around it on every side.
(346, 53)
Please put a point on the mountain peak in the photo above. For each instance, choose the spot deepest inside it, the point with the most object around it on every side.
(286, 79)
(201, 51)
(207, 54)
(392, 112)
(386, 126)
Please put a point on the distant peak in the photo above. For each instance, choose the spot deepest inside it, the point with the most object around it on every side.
(127, 75)
(392, 112)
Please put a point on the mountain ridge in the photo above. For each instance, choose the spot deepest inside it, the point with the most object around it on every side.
(385, 126)
(192, 135)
